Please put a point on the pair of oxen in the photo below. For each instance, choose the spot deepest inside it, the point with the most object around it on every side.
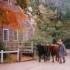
(48, 51)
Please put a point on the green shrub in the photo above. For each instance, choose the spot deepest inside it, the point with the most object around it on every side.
(2, 47)
(40, 40)
(67, 43)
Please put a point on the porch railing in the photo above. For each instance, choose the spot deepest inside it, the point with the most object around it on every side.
(2, 54)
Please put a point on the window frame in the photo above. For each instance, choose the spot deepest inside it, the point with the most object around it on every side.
(14, 36)
(7, 34)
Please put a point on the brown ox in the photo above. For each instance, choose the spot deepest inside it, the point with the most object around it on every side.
(55, 52)
(48, 50)
(52, 50)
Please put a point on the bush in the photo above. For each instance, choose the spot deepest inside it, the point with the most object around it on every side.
(67, 43)
(2, 47)
(40, 40)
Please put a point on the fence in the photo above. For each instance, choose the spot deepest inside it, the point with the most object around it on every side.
(27, 48)
(24, 49)
(2, 52)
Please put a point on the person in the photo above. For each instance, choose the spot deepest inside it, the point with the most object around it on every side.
(62, 51)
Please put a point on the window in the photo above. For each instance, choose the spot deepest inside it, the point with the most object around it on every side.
(15, 34)
(5, 35)
(25, 36)
(9, 1)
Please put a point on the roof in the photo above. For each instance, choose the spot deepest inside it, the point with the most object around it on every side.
(19, 13)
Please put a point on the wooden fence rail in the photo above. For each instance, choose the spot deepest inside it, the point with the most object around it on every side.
(26, 49)
(2, 52)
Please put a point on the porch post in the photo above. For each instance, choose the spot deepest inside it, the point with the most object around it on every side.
(1, 56)
(18, 54)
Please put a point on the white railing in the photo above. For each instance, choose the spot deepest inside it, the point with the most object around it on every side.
(2, 52)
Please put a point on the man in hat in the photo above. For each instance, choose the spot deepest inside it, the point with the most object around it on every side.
(62, 51)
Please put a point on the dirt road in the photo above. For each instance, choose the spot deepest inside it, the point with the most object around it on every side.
(35, 65)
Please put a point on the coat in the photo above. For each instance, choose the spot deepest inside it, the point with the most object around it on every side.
(62, 50)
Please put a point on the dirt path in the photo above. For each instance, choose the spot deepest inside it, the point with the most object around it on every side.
(35, 65)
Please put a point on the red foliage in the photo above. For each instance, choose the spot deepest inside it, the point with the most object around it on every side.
(22, 16)
(12, 17)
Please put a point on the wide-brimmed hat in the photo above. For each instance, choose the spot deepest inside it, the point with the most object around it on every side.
(59, 41)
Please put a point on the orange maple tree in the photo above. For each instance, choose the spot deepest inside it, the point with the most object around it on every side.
(22, 16)
(9, 17)
(12, 19)
(3, 17)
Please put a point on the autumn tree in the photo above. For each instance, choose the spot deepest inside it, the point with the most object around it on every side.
(3, 17)
(48, 24)
(53, 20)
(8, 17)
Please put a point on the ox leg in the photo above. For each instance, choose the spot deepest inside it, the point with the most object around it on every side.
(52, 58)
(44, 57)
(56, 57)
(39, 58)
(49, 56)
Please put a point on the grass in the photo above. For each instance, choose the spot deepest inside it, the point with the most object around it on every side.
(11, 58)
